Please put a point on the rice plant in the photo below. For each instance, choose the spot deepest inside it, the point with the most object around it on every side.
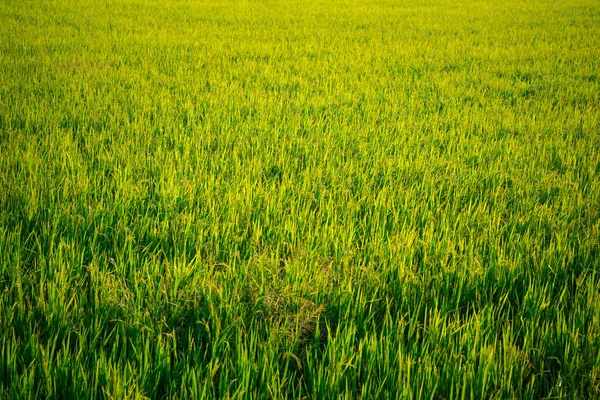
(277, 199)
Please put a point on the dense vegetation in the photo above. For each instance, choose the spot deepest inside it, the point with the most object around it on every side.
(323, 199)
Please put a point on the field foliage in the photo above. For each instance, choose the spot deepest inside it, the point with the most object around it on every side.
(284, 199)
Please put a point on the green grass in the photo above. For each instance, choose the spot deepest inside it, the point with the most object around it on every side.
(319, 199)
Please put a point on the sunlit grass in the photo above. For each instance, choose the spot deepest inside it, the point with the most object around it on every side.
(280, 199)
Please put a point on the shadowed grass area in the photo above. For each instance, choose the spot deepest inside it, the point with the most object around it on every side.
(272, 199)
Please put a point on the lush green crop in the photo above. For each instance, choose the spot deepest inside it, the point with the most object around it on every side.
(322, 199)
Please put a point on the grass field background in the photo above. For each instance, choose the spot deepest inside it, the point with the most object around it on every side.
(321, 199)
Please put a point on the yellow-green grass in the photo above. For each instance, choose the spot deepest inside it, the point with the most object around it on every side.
(319, 199)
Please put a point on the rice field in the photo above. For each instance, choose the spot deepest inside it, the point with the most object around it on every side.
(339, 199)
